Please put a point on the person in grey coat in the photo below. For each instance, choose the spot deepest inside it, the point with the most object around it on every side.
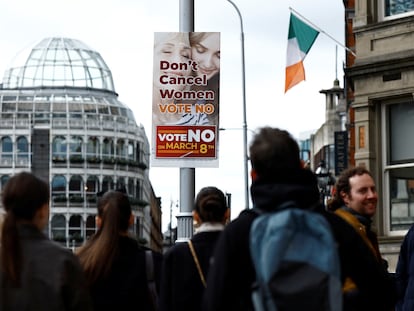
(36, 273)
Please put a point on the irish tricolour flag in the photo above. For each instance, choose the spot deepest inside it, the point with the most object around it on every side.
(300, 39)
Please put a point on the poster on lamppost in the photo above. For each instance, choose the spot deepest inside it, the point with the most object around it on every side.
(185, 101)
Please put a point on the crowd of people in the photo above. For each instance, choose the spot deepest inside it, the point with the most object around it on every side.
(214, 269)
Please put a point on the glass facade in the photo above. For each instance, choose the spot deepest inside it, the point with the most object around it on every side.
(60, 118)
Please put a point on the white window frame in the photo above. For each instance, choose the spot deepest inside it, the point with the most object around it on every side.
(386, 168)
(381, 12)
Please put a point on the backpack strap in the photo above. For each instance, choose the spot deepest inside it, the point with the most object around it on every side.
(152, 290)
(284, 205)
(197, 263)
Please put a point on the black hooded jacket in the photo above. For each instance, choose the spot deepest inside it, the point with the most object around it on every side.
(232, 275)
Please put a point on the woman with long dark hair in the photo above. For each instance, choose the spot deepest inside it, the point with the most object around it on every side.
(36, 273)
(186, 265)
(114, 263)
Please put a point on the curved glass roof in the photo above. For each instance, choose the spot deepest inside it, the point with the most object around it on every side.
(59, 62)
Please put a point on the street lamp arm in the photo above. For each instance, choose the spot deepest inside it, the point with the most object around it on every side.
(240, 16)
(246, 157)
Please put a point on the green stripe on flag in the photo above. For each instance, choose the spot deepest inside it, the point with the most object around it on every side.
(304, 34)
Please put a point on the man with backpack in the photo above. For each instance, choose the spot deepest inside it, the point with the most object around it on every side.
(240, 274)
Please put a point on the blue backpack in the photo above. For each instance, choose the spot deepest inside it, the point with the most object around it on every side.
(296, 261)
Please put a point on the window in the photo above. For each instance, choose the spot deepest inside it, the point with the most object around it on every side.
(399, 164)
(6, 147)
(59, 228)
(138, 192)
(92, 185)
(92, 149)
(75, 230)
(90, 226)
(131, 187)
(59, 186)
(108, 148)
(131, 155)
(107, 184)
(76, 189)
(76, 145)
(59, 149)
(120, 184)
(390, 9)
(120, 148)
(22, 149)
(3, 180)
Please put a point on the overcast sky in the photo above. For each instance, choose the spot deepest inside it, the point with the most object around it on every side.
(122, 32)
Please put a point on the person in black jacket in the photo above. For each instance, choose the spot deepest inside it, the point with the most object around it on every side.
(277, 177)
(36, 273)
(355, 201)
(404, 273)
(114, 263)
(186, 265)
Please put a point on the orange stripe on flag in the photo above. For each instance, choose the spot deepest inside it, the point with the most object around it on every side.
(294, 74)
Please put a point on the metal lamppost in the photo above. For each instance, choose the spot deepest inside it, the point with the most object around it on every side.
(245, 153)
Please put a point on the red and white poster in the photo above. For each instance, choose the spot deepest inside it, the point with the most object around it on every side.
(185, 107)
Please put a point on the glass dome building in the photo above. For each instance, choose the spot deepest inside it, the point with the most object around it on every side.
(61, 119)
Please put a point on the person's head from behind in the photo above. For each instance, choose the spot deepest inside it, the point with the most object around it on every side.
(114, 213)
(355, 188)
(273, 151)
(210, 205)
(173, 49)
(205, 51)
(25, 199)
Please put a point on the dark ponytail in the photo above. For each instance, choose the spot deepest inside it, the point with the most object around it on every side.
(97, 255)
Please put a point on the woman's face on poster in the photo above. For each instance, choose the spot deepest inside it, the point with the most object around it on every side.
(171, 48)
(206, 53)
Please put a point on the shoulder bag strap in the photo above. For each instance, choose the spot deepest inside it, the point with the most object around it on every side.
(359, 228)
(197, 263)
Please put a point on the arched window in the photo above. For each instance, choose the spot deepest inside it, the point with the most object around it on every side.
(4, 180)
(59, 228)
(59, 187)
(138, 190)
(90, 226)
(120, 148)
(59, 149)
(76, 145)
(22, 148)
(92, 185)
(131, 152)
(6, 148)
(120, 183)
(138, 152)
(75, 230)
(108, 148)
(76, 189)
(131, 189)
(92, 148)
(107, 184)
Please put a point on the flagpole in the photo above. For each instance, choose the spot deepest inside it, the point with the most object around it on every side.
(322, 31)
